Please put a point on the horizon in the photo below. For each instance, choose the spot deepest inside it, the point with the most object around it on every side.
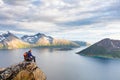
(83, 20)
(19, 36)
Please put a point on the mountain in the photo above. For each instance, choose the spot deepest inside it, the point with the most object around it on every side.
(82, 43)
(10, 41)
(43, 40)
(32, 39)
(22, 71)
(107, 48)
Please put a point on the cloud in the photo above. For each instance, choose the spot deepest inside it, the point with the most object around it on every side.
(92, 12)
(39, 26)
(91, 33)
(62, 18)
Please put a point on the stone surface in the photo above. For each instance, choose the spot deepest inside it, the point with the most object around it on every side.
(22, 71)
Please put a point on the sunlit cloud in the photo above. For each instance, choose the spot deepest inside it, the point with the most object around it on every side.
(87, 20)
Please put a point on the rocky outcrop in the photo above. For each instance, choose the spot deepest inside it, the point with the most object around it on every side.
(22, 71)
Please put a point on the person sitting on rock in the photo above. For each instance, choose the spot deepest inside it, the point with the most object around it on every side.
(28, 56)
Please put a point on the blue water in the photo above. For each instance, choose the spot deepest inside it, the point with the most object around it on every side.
(66, 65)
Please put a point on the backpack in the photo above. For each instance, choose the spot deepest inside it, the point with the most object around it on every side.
(25, 55)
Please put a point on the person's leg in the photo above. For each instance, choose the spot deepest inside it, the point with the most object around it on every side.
(0, 77)
(34, 59)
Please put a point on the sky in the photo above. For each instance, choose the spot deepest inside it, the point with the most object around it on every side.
(83, 20)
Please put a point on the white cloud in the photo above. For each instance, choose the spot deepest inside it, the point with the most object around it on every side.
(92, 33)
(1, 2)
(51, 15)
(40, 27)
(55, 10)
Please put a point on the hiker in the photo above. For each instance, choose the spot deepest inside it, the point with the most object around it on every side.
(28, 56)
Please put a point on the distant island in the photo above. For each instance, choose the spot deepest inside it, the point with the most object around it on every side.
(107, 48)
(10, 41)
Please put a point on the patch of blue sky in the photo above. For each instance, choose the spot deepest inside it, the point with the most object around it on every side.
(36, 2)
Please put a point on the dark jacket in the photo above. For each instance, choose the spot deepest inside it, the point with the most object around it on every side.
(29, 54)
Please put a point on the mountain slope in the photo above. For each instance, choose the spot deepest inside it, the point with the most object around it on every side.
(105, 48)
(43, 40)
(32, 39)
(82, 43)
(10, 41)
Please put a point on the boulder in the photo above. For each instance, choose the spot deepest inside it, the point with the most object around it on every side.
(22, 71)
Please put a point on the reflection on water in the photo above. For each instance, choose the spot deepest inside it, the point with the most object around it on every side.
(66, 65)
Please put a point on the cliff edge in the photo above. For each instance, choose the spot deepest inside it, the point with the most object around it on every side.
(22, 71)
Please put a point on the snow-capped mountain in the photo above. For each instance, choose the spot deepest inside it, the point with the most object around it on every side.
(10, 41)
(7, 37)
(32, 39)
(2, 38)
(40, 39)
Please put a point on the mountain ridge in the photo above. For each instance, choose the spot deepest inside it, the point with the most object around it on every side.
(10, 41)
(107, 48)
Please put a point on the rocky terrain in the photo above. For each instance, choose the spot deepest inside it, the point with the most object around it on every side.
(22, 71)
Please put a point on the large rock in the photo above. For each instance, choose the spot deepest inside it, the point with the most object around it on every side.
(22, 71)
(1, 69)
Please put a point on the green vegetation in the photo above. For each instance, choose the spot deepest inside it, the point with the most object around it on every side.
(107, 48)
(99, 51)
